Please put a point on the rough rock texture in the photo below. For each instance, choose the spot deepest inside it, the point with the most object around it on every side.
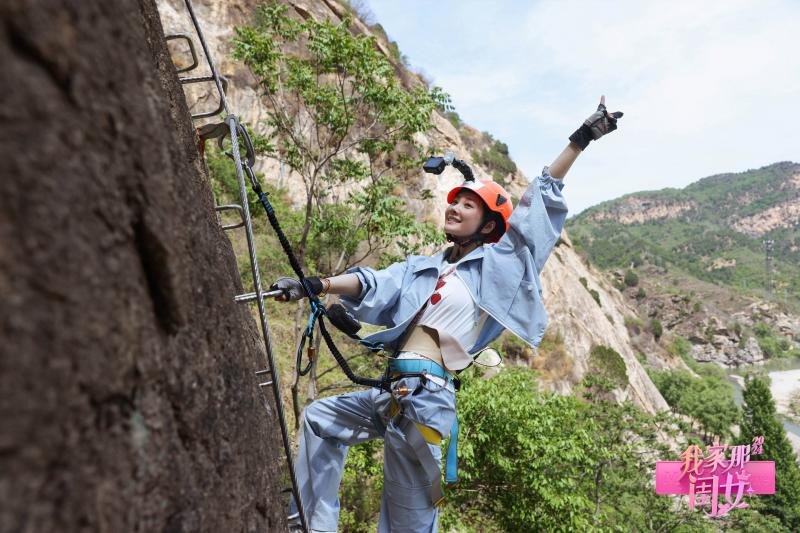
(583, 323)
(637, 209)
(783, 215)
(723, 350)
(127, 394)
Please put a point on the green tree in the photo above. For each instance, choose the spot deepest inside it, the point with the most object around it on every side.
(707, 399)
(522, 455)
(656, 328)
(339, 117)
(536, 461)
(759, 418)
(631, 278)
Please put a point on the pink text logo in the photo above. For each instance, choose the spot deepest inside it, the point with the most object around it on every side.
(720, 470)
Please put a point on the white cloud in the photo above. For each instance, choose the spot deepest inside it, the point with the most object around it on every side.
(706, 87)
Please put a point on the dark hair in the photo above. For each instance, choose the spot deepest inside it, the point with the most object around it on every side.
(499, 224)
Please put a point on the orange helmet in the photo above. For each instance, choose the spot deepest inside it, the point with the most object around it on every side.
(494, 197)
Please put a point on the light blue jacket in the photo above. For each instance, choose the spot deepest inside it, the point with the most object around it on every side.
(503, 278)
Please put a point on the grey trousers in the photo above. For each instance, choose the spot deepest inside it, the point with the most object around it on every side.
(333, 424)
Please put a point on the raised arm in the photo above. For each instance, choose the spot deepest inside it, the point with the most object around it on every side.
(600, 123)
(561, 165)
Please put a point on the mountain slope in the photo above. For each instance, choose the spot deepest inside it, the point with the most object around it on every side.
(712, 229)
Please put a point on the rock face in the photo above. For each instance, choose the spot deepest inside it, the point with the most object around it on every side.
(128, 397)
(584, 323)
(783, 215)
(219, 18)
(636, 209)
(724, 351)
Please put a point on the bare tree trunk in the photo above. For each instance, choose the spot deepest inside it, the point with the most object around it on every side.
(296, 402)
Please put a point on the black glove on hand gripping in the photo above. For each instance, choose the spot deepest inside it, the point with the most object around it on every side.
(293, 290)
(600, 123)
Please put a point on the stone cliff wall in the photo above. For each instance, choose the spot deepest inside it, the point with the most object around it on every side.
(584, 323)
(127, 394)
(219, 18)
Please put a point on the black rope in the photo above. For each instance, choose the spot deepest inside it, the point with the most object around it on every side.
(317, 307)
(382, 383)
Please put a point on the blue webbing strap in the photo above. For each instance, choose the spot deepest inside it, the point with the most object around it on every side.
(419, 366)
(451, 466)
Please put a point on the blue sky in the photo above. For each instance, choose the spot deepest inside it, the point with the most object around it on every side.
(706, 87)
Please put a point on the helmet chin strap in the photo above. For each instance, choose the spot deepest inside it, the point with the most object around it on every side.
(477, 237)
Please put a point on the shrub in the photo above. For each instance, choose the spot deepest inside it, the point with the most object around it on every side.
(771, 343)
(708, 399)
(680, 347)
(593, 292)
(656, 329)
(596, 296)
(454, 118)
(631, 278)
(607, 364)
(641, 294)
(633, 324)
(537, 461)
(496, 159)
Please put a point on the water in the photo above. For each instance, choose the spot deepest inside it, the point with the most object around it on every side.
(785, 376)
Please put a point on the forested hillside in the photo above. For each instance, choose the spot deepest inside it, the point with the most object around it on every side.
(713, 229)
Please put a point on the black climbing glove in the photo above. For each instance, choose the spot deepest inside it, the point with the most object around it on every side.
(293, 290)
(600, 123)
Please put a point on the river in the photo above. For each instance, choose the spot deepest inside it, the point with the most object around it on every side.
(784, 377)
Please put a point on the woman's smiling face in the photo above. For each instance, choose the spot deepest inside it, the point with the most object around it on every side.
(464, 215)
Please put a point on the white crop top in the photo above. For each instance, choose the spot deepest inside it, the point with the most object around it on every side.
(452, 309)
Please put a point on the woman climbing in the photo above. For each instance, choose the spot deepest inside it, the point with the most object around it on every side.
(438, 311)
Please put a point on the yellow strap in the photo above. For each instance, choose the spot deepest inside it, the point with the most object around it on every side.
(430, 435)
(394, 408)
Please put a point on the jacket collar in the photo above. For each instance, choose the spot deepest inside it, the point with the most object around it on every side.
(424, 262)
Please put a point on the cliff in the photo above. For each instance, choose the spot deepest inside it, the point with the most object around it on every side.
(128, 396)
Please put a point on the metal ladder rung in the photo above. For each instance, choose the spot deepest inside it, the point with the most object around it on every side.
(262, 372)
(231, 207)
(237, 131)
(202, 79)
(251, 296)
(192, 51)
